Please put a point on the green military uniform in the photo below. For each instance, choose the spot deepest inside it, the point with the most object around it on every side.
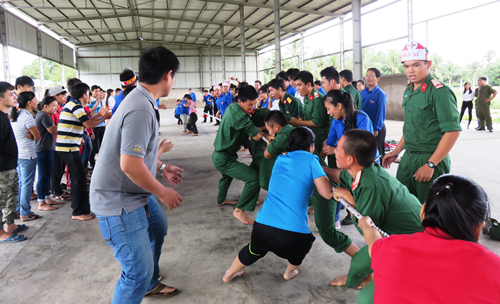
(483, 108)
(315, 110)
(430, 111)
(356, 96)
(260, 164)
(235, 125)
(290, 106)
(388, 203)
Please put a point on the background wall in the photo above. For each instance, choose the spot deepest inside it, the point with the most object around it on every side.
(394, 86)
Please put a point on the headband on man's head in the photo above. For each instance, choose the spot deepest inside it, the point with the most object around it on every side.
(129, 82)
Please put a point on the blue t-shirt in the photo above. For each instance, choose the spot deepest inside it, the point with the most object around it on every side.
(322, 91)
(374, 104)
(193, 96)
(178, 109)
(338, 128)
(224, 101)
(208, 100)
(158, 102)
(118, 100)
(264, 104)
(291, 186)
(185, 110)
(291, 90)
(97, 110)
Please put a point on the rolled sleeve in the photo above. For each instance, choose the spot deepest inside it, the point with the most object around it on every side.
(135, 138)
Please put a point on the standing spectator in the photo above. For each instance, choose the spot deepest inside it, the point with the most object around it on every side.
(467, 97)
(128, 79)
(185, 115)
(208, 107)
(193, 117)
(360, 85)
(374, 103)
(318, 87)
(96, 104)
(192, 94)
(485, 95)
(26, 133)
(178, 112)
(346, 83)
(288, 88)
(45, 150)
(257, 85)
(72, 121)
(291, 73)
(110, 98)
(121, 187)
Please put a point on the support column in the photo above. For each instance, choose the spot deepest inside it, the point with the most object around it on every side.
(277, 37)
(257, 66)
(242, 36)
(427, 34)
(77, 66)
(201, 69)
(357, 46)
(210, 62)
(341, 26)
(222, 53)
(410, 20)
(302, 53)
(61, 60)
(5, 50)
(40, 59)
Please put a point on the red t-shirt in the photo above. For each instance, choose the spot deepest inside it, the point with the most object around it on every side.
(431, 267)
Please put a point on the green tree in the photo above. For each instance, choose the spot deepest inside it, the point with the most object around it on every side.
(492, 71)
(489, 56)
(51, 71)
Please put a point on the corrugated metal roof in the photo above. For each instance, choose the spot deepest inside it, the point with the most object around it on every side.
(191, 22)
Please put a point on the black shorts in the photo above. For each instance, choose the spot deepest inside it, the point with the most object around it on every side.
(289, 245)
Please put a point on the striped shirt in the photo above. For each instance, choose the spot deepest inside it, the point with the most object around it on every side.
(21, 128)
(70, 127)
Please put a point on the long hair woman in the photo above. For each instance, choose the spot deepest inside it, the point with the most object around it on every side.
(467, 96)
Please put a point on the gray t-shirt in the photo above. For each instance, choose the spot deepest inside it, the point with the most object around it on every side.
(133, 130)
(46, 141)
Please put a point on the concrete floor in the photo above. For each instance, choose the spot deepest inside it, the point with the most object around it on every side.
(66, 261)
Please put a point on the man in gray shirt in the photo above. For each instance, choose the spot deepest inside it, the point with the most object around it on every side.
(130, 219)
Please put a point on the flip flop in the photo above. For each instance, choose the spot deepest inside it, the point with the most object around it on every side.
(14, 238)
(156, 293)
(20, 228)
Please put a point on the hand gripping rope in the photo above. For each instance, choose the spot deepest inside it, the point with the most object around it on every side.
(359, 215)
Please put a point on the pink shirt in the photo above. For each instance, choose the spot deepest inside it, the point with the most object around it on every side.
(191, 110)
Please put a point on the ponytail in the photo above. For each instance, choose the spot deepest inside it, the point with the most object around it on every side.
(335, 97)
(22, 99)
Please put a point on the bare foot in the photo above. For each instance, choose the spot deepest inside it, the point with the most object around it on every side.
(310, 210)
(194, 134)
(184, 132)
(365, 281)
(227, 202)
(248, 156)
(84, 217)
(48, 201)
(339, 281)
(290, 275)
(228, 278)
(242, 216)
(258, 202)
(45, 207)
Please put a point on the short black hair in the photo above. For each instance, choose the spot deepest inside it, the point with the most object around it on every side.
(258, 82)
(247, 93)
(95, 86)
(187, 96)
(305, 76)
(300, 139)
(118, 90)
(277, 83)
(376, 71)
(72, 82)
(483, 78)
(347, 74)
(128, 90)
(46, 101)
(330, 73)
(275, 117)
(155, 62)
(317, 82)
(362, 145)
(24, 80)
(282, 75)
(291, 73)
(4, 87)
(205, 91)
(79, 89)
(211, 90)
(190, 89)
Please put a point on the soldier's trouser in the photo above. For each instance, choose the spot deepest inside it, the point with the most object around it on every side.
(230, 168)
(318, 144)
(264, 166)
(366, 295)
(9, 190)
(409, 165)
(360, 268)
(483, 115)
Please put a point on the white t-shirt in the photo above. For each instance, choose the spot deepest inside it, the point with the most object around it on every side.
(299, 97)
(276, 105)
(21, 126)
(468, 96)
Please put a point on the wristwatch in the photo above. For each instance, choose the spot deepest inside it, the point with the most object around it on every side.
(431, 165)
(162, 167)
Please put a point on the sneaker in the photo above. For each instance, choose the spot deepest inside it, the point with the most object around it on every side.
(347, 221)
(337, 225)
(491, 130)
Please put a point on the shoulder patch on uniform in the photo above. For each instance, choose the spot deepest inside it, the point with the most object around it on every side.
(289, 100)
(424, 87)
(316, 94)
(356, 181)
(436, 83)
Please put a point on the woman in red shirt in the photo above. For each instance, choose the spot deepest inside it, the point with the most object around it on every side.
(443, 264)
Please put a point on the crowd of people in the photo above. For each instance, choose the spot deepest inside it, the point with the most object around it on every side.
(312, 145)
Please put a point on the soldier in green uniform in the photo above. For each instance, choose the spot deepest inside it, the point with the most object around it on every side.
(235, 125)
(431, 126)
(346, 83)
(483, 102)
(315, 116)
(289, 105)
(374, 193)
(263, 166)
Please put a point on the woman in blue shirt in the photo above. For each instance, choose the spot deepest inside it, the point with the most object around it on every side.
(281, 225)
(264, 97)
(178, 112)
(340, 106)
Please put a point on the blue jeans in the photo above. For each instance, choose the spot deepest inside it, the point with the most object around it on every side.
(136, 241)
(26, 171)
(86, 151)
(337, 214)
(44, 162)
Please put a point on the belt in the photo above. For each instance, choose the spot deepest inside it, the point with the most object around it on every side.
(418, 152)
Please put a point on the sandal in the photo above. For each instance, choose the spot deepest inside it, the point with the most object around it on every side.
(20, 228)
(30, 217)
(156, 293)
(62, 197)
(14, 238)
